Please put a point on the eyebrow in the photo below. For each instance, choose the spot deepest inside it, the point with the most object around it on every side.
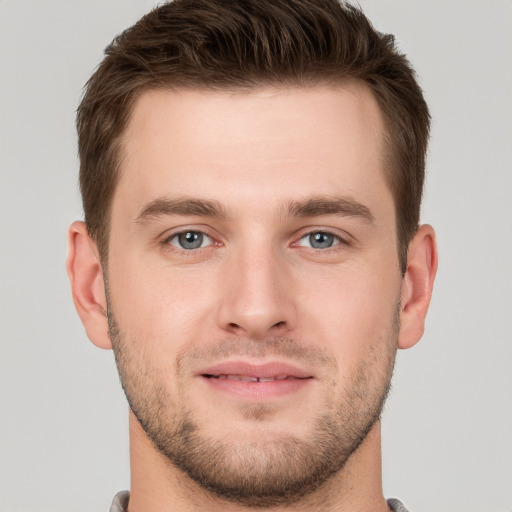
(310, 207)
(324, 205)
(181, 206)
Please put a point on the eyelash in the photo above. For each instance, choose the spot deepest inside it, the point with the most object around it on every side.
(168, 245)
(339, 241)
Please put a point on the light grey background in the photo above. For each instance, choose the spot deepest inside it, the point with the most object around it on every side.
(448, 423)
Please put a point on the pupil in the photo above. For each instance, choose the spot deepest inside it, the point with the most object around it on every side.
(191, 240)
(321, 240)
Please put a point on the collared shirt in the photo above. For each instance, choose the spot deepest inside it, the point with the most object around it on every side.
(121, 499)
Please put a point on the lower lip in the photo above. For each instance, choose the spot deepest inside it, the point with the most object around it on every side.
(257, 390)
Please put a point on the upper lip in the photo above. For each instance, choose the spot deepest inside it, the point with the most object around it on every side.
(266, 370)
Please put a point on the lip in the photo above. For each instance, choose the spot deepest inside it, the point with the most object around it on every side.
(266, 370)
(241, 379)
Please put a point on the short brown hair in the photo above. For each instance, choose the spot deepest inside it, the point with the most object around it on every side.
(245, 44)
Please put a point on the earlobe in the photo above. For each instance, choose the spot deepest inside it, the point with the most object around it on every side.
(417, 286)
(87, 286)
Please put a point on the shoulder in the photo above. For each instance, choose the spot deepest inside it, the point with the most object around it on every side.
(396, 505)
(120, 502)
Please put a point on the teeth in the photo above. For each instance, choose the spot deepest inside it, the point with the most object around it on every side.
(271, 379)
(242, 378)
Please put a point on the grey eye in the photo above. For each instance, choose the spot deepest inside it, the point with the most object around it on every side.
(190, 240)
(319, 240)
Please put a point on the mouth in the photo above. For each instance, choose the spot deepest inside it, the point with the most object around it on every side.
(252, 381)
(252, 378)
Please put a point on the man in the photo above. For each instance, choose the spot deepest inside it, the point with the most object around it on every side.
(251, 173)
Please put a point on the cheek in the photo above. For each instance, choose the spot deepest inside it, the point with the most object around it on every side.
(163, 307)
(353, 313)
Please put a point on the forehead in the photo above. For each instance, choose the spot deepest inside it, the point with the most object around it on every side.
(252, 146)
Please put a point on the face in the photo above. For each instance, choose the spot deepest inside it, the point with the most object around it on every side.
(253, 283)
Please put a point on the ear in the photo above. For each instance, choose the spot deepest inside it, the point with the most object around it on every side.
(87, 286)
(417, 286)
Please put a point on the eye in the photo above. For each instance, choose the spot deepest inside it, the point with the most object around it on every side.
(319, 240)
(189, 240)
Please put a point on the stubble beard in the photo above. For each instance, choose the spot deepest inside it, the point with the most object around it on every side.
(260, 472)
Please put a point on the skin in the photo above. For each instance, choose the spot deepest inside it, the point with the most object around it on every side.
(266, 159)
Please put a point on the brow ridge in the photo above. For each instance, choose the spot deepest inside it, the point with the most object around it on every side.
(326, 205)
(180, 206)
(311, 207)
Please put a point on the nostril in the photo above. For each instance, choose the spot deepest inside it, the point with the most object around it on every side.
(256, 327)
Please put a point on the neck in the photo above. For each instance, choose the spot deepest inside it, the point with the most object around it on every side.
(158, 486)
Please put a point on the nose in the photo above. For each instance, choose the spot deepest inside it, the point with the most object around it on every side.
(257, 296)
